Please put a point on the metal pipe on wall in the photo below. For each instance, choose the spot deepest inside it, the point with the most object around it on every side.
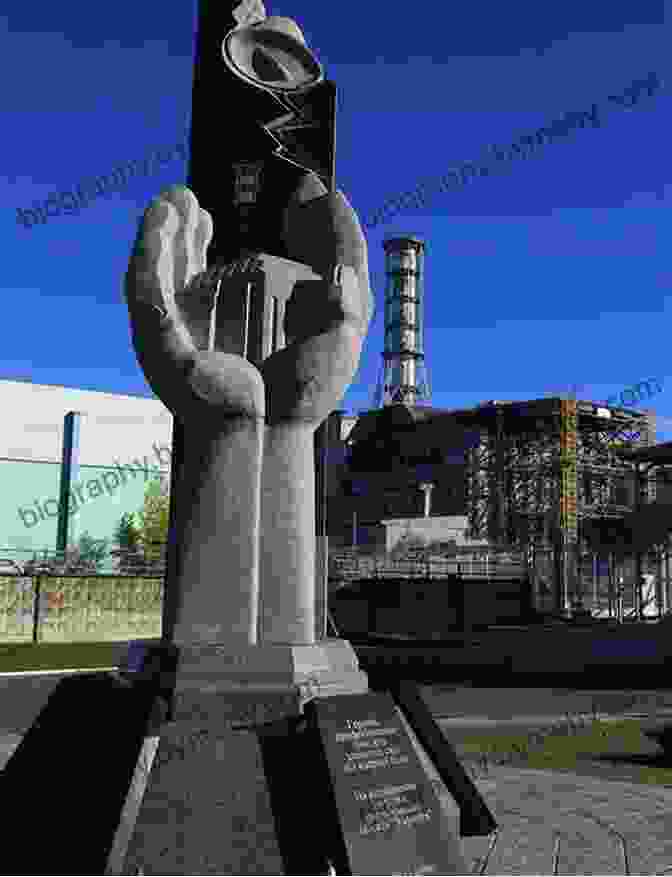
(595, 580)
(610, 582)
(66, 530)
(666, 581)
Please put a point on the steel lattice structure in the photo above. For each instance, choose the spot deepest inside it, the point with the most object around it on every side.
(545, 468)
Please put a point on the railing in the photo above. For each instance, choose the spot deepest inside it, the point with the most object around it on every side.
(117, 561)
(480, 864)
(383, 567)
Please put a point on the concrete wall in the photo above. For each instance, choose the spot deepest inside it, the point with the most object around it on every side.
(430, 608)
(440, 527)
(640, 655)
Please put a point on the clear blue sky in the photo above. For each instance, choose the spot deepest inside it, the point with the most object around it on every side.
(553, 272)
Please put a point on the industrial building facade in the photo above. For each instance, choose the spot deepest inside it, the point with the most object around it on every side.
(94, 451)
(578, 489)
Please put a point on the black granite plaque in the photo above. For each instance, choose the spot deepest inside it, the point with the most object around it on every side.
(389, 817)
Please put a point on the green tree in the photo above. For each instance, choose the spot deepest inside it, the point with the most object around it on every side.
(126, 532)
(129, 555)
(92, 550)
(84, 557)
(153, 518)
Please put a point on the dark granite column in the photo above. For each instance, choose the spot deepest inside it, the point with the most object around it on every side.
(224, 131)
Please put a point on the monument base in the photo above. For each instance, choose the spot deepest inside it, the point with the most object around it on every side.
(230, 783)
(316, 669)
(299, 672)
(210, 796)
(208, 793)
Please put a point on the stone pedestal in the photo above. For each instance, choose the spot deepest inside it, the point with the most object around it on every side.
(208, 794)
(204, 798)
(229, 784)
(315, 670)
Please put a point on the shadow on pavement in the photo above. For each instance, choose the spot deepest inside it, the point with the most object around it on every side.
(71, 773)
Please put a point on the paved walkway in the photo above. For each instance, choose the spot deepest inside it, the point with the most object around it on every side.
(502, 703)
(530, 804)
(485, 723)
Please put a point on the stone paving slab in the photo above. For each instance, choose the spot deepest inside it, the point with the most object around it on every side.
(529, 804)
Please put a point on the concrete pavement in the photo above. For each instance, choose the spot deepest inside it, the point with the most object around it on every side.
(507, 703)
(483, 723)
(530, 805)
(534, 807)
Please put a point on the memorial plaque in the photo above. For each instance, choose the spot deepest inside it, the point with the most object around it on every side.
(389, 816)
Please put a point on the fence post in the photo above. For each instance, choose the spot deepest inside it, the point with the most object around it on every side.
(36, 607)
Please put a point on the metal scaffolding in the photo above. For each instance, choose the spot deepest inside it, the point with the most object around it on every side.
(547, 474)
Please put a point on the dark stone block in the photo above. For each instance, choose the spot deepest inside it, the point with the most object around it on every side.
(388, 816)
(476, 820)
(304, 834)
(65, 785)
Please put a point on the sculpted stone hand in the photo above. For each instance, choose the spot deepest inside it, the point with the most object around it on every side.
(325, 322)
(170, 311)
(248, 432)
(218, 397)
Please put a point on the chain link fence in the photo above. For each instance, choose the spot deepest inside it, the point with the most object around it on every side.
(62, 597)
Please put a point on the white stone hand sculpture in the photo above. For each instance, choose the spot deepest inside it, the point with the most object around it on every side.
(170, 307)
(237, 417)
(169, 326)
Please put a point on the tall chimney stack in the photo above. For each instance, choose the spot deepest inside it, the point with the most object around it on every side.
(403, 378)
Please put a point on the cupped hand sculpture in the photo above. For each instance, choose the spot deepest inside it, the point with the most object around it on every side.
(246, 490)
(326, 321)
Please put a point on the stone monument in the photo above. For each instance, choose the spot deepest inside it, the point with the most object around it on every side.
(250, 344)
(250, 357)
